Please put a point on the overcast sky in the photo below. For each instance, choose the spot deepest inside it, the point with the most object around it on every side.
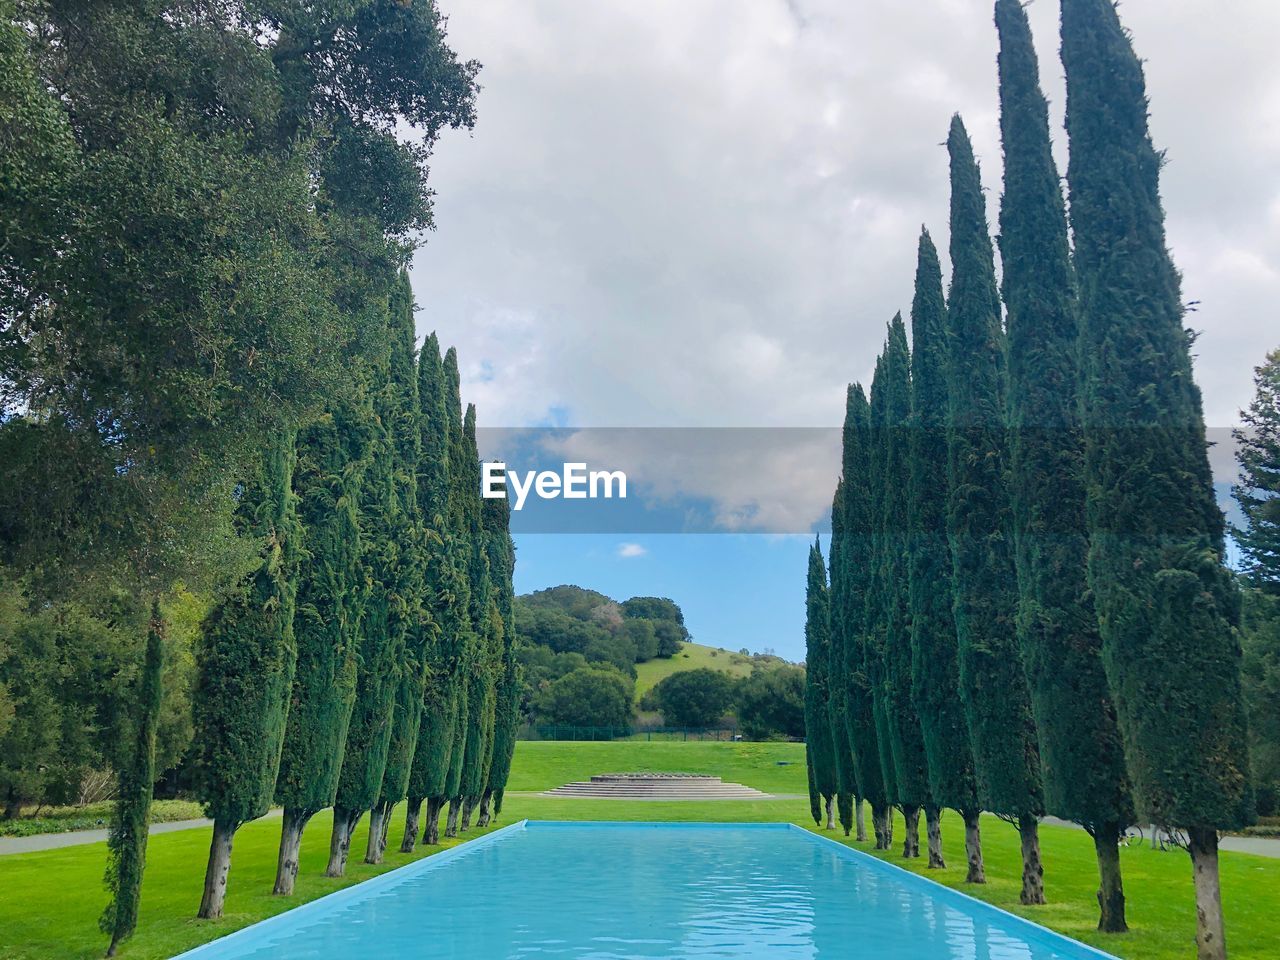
(704, 212)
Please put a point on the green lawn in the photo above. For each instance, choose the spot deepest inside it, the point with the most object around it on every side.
(49, 901)
(691, 656)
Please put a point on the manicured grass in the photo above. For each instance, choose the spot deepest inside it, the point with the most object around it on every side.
(771, 767)
(691, 657)
(49, 901)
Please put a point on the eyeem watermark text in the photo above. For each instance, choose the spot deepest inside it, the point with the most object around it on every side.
(573, 482)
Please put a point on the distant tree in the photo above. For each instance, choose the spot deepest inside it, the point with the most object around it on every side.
(588, 697)
(1260, 633)
(993, 682)
(694, 698)
(653, 608)
(1082, 758)
(1167, 605)
(770, 703)
(642, 636)
(671, 637)
(1258, 490)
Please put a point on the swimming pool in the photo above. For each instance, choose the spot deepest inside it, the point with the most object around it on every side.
(626, 891)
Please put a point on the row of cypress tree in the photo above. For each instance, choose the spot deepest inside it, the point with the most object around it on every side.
(1030, 611)
(364, 657)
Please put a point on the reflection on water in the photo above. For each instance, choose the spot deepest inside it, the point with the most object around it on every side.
(632, 892)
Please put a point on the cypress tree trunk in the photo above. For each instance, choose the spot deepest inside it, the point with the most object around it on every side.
(844, 805)
(1106, 841)
(468, 806)
(344, 825)
(215, 875)
(127, 840)
(973, 846)
(1032, 867)
(933, 822)
(451, 825)
(1211, 935)
(295, 821)
(911, 841)
(379, 817)
(483, 820)
(431, 836)
(830, 803)
(882, 821)
(411, 816)
(860, 821)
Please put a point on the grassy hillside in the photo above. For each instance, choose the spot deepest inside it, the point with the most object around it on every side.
(60, 893)
(691, 657)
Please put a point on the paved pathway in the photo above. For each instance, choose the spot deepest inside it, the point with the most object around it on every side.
(75, 838)
(1258, 846)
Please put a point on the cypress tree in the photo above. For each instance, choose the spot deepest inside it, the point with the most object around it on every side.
(502, 562)
(934, 668)
(127, 839)
(381, 628)
(1083, 762)
(993, 684)
(859, 524)
(245, 667)
(874, 625)
(911, 775)
(1168, 609)
(837, 692)
(480, 676)
(445, 593)
(817, 719)
(407, 621)
(330, 599)
(461, 499)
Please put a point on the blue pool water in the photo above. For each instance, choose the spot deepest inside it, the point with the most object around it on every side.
(632, 891)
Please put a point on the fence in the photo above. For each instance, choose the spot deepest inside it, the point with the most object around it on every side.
(567, 732)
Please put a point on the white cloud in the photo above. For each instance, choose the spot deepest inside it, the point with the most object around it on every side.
(628, 550)
(703, 214)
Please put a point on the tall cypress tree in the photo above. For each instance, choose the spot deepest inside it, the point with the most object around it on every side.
(332, 454)
(481, 675)
(407, 618)
(911, 775)
(381, 635)
(817, 718)
(857, 574)
(444, 590)
(461, 500)
(874, 627)
(837, 683)
(934, 669)
(1258, 488)
(245, 667)
(1167, 607)
(993, 684)
(127, 838)
(1083, 762)
(502, 563)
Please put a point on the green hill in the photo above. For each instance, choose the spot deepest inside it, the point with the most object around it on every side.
(691, 656)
